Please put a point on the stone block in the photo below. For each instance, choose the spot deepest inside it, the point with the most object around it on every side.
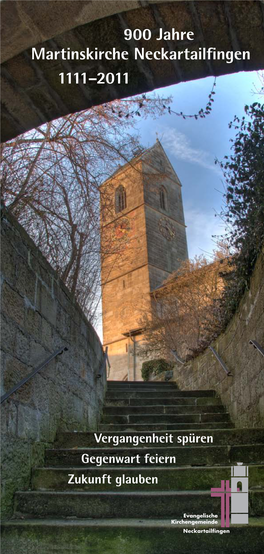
(9, 487)
(12, 304)
(58, 342)
(46, 334)
(78, 406)
(33, 323)
(8, 261)
(2, 372)
(244, 419)
(8, 334)
(261, 408)
(234, 410)
(56, 399)
(26, 281)
(28, 423)
(259, 386)
(63, 324)
(83, 329)
(14, 371)
(15, 458)
(9, 415)
(38, 354)
(15, 472)
(37, 304)
(44, 427)
(41, 392)
(90, 377)
(226, 384)
(48, 306)
(64, 298)
(3, 421)
(37, 453)
(46, 276)
(72, 412)
(22, 347)
(71, 381)
(34, 261)
(74, 332)
(245, 397)
(92, 418)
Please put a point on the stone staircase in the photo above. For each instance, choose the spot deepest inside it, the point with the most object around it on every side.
(92, 515)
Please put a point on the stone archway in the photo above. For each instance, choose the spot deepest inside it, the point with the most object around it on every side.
(31, 90)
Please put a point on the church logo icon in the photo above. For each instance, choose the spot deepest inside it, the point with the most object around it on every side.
(238, 492)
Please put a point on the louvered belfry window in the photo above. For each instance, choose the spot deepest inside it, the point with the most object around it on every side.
(120, 199)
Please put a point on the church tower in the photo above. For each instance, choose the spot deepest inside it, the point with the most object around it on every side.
(143, 241)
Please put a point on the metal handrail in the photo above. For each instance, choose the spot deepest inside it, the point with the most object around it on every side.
(36, 370)
(257, 346)
(103, 364)
(177, 358)
(229, 374)
(108, 362)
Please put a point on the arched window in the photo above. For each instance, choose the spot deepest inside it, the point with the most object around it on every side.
(239, 486)
(163, 198)
(120, 199)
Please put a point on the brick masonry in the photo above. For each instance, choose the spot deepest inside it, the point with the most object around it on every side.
(243, 393)
(38, 316)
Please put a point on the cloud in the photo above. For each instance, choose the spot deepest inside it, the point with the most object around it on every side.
(200, 228)
(179, 145)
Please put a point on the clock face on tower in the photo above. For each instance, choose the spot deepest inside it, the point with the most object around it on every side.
(166, 228)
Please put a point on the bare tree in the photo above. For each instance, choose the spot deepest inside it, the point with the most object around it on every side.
(185, 313)
(51, 179)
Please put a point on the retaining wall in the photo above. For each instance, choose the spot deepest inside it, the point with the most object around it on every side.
(39, 315)
(243, 392)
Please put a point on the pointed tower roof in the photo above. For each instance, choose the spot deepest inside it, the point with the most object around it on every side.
(143, 156)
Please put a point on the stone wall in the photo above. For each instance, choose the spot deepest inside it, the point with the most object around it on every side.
(243, 392)
(38, 317)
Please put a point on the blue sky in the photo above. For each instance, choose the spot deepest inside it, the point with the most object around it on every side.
(192, 146)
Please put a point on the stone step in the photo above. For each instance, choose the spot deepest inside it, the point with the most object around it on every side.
(166, 418)
(160, 390)
(163, 409)
(139, 427)
(154, 504)
(157, 394)
(189, 455)
(128, 536)
(143, 386)
(129, 384)
(177, 478)
(164, 400)
(161, 491)
(227, 436)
